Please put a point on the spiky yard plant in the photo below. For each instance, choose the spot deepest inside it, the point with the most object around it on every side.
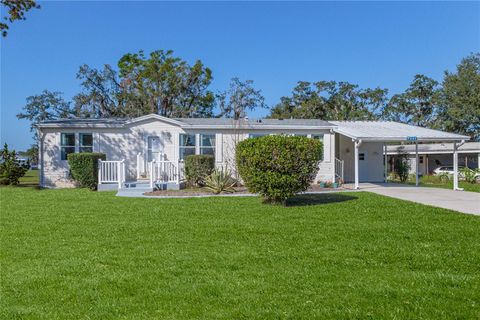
(220, 180)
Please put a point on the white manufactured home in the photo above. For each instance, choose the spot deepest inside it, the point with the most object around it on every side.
(152, 148)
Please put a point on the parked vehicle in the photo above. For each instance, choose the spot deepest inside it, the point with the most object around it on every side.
(464, 173)
(446, 170)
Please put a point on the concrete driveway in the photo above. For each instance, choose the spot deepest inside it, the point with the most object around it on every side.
(462, 201)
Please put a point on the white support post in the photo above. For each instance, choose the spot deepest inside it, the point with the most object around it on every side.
(99, 171)
(427, 170)
(178, 172)
(151, 172)
(332, 156)
(119, 174)
(478, 161)
(385, 164)
(455, 166)
(416, 164)
(40, 163)
(139, 169)
(357, 146)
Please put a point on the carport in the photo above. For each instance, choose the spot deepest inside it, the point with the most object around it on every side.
(388, 132)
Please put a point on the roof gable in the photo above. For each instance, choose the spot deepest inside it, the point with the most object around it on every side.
(157, 117)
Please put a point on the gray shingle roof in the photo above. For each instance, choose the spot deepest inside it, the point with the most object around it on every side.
(195, 123)
(256, 123)
(86, 121)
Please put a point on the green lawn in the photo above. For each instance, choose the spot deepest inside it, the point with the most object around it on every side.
(30, 179)
(433, 182)
(77, 254)
(473, 187)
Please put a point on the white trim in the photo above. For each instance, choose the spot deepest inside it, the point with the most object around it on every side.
(416, 164)
(156, 117)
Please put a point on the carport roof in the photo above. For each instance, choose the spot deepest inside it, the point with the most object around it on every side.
(392, 131)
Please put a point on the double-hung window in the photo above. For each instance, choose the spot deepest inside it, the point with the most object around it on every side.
(67, 144)
(318, 137)
(187, 145)
(86, 142)
(207, 144)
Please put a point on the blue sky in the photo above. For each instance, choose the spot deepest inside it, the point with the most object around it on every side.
(275, 44)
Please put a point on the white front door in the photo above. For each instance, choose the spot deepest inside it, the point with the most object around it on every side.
(154, 148)
(362, 165)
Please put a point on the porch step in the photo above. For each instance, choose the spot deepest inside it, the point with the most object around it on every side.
(136, 185)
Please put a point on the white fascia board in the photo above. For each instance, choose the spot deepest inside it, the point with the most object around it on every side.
(263, 127)
(77, 125)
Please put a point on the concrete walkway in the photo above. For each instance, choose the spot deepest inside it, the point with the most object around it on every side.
(462, 201)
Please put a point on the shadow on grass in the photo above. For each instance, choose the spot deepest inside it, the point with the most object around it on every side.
(316, 199)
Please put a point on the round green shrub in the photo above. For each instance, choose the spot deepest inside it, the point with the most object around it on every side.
(84, 168)
(197, 167)
(277, 167)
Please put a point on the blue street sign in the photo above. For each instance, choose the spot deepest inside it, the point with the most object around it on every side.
(412, 138)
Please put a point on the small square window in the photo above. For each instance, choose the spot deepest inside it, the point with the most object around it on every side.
(317, 136)
(361, 156)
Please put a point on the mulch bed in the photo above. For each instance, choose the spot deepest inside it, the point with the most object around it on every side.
(204, 192)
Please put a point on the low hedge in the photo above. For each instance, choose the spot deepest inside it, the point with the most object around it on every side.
(277, 167)
(197, 167)
(84, 168)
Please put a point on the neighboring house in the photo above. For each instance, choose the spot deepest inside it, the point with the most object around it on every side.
(153, 147)
(432, 156)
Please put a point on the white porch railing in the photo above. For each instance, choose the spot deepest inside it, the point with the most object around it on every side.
(165, 171)
(339, 169)
(111, 172)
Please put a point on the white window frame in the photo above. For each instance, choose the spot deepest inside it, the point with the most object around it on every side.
(74, 146)
(80, 146)
(200, 140)
(180, 146)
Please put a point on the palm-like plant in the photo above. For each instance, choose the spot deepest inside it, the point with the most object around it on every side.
(220, 181)
(470, 175)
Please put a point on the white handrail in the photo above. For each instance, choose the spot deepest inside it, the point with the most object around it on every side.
(165, 171)
(339, 168)
(111, 172)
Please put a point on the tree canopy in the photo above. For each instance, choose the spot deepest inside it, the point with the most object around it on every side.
(460, 110)
(240, 98)
(45, 106)
(159, 83)
(164, 84)
(419, 105)
(15, 10)
(331, 100)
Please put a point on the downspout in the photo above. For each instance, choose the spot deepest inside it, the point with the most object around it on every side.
(40, 155)
(455, 165)
(357, 144)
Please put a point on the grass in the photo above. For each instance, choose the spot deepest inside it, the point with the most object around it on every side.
(436, 182)
(77, 254)
(30, 179)
(472, 187)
